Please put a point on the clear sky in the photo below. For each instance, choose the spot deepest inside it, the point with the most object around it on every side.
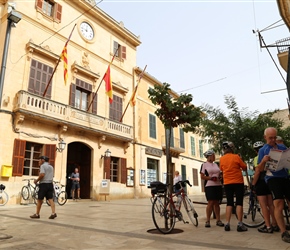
(208, 49)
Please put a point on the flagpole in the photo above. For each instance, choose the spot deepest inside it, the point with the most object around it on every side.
(134, 93)
(57, 63)
(103, 77)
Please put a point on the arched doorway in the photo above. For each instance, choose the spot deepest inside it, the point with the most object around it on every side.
(79, 155)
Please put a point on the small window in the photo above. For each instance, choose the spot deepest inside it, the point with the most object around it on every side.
(192, 144)
(152, 126)
(121, 51)
(50, 9)
(195, 177)
(31, 158)
(201, 148)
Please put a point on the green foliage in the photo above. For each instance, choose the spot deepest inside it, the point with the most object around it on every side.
(240, 126)
(174, 112)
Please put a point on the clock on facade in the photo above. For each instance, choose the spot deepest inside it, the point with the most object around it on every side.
(87, 31)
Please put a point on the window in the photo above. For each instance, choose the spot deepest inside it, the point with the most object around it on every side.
(121, 51)
(50, 9)
(40, 74)
(81, 96)
(152, 171)
(152, 126)
(25, 159)
(116, 108)
(181, 135)
(115, 169)
(192, 145)
(201, 148)
(195, 177)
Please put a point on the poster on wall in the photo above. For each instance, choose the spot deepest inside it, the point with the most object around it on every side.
(142, 177)
(130, 177)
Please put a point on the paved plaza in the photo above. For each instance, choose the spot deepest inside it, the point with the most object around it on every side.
(119, 224)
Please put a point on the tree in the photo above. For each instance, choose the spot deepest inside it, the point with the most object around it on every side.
(240, 126)
(174, 111)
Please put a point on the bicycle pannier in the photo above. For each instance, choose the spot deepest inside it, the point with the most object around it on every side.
(2, 187)
(157, 187)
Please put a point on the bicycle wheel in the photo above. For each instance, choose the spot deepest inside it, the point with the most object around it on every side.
(3, 198)
(252, 213)
(192, 214)
(25, 193)
(163, 214)
(62, 198)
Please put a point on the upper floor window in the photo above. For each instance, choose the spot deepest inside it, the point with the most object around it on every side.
(200, 148)
(50, 9)
(152, 126)
(39, 76)
(192, 146)
(116, 108)
(181, 136)
(121, 51)
(81, 96)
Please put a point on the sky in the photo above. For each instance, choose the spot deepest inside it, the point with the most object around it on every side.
(208, 48)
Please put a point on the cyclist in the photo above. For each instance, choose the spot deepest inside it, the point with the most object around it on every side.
(264, 195)
(277, 181)
(231, 165)
(213, 188)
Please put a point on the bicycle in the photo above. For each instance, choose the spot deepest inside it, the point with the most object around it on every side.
(3, 195)
(59, 196)
(164, 211)
(252, 212)
(29, 190)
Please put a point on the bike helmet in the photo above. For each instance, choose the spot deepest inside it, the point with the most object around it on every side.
(208, 153)
(258, 144)
(228, 144)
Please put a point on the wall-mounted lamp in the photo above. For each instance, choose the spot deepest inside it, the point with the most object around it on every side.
(107, 154)
(61, 146)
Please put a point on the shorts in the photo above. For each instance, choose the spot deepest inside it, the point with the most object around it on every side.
(262, 188)
(280, 188)
(75, 185)
(45, 190)
(232, 190)
(214, 193)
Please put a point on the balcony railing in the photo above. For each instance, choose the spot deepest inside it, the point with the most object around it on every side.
(283, 45)
(175, 148)
(35, 105)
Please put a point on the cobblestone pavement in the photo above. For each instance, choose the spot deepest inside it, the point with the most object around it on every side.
(119, 224)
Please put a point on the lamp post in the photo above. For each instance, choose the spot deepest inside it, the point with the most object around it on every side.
(61, 146)
(12, 18)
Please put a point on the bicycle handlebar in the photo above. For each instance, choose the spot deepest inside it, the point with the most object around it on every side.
(182, 182)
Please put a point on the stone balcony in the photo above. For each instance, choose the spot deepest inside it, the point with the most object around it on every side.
(283, 48)
(175, 149)
(37, 107)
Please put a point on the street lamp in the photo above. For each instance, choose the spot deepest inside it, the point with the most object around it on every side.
(107, 154)
(13, 17)
(61, 146)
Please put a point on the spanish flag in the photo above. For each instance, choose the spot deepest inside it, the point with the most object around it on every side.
(108, 81)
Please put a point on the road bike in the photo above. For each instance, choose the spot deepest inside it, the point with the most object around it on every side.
(164, 210)
(3, 195)
(60, 196)
(252, 212)
(29, 191)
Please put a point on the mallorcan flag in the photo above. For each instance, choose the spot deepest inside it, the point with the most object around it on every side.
(108, 81)
(64, 58)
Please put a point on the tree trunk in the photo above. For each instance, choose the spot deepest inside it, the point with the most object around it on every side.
(169, 177)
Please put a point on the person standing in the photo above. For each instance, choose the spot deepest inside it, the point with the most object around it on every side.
(75, 177)
(277, 181)
(213, 188)
(177, 178)
(264, 195)
(231, 166)
(46, 190)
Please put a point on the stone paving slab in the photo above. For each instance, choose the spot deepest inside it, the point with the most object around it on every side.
(119, 224)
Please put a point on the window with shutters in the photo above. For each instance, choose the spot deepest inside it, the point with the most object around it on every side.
(121, 53)
(39, 76)
(192, 146)
(152, 126)
(115, 169)
(195, 177)
(81, 96)
(116, 108)
(25, 159)
(50, 9)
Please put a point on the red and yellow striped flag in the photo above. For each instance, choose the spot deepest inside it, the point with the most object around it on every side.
(64, 58)
(133, 97)
(108, 81)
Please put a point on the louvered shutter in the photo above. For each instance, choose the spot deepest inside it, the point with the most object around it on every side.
(49, 151)
(123, 170)
(18, 157)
